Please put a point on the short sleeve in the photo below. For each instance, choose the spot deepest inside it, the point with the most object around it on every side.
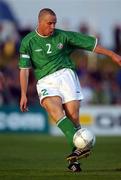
(24, 59)
(82, 41)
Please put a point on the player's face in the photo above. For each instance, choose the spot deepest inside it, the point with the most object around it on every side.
(46, 25)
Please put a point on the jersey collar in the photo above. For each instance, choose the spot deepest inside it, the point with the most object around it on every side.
(41, 35)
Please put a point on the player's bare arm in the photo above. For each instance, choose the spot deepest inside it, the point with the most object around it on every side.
(115, 57)
(24, 74)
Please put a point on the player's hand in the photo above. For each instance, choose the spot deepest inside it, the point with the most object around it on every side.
(23, 104)
(116, 58)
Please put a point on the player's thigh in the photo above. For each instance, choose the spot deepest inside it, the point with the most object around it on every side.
(72, 109)
(70, 87)
(53, 106)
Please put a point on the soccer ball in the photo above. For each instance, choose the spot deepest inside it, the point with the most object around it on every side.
(83, 139)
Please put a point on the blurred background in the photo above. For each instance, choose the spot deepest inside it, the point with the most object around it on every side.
(100, 78)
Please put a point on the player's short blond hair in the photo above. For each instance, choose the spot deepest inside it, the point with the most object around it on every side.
(46, 11)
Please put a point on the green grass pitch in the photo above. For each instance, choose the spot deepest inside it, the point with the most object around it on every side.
(41, 157)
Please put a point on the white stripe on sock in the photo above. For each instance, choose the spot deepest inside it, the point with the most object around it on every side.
(60, 120)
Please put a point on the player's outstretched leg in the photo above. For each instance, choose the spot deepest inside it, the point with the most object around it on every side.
(69, 130)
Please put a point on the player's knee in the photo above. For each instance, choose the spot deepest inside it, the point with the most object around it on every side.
(55, 112)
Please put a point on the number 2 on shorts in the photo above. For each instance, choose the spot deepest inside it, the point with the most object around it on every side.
(44, 92)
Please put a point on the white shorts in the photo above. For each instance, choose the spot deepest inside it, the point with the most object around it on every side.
(63, 83)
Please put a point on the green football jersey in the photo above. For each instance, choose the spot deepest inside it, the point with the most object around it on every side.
(49, 54)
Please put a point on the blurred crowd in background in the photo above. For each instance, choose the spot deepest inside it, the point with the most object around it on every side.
(100, 78)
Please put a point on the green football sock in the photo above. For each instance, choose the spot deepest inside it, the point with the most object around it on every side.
(67, 127)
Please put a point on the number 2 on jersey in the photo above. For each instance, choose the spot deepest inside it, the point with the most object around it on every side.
(49, 48)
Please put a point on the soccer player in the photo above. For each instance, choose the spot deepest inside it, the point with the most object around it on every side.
(47, 50)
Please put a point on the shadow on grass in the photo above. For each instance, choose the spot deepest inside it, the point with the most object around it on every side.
(103, 170)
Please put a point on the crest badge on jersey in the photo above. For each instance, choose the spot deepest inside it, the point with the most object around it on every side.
(60, 46)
